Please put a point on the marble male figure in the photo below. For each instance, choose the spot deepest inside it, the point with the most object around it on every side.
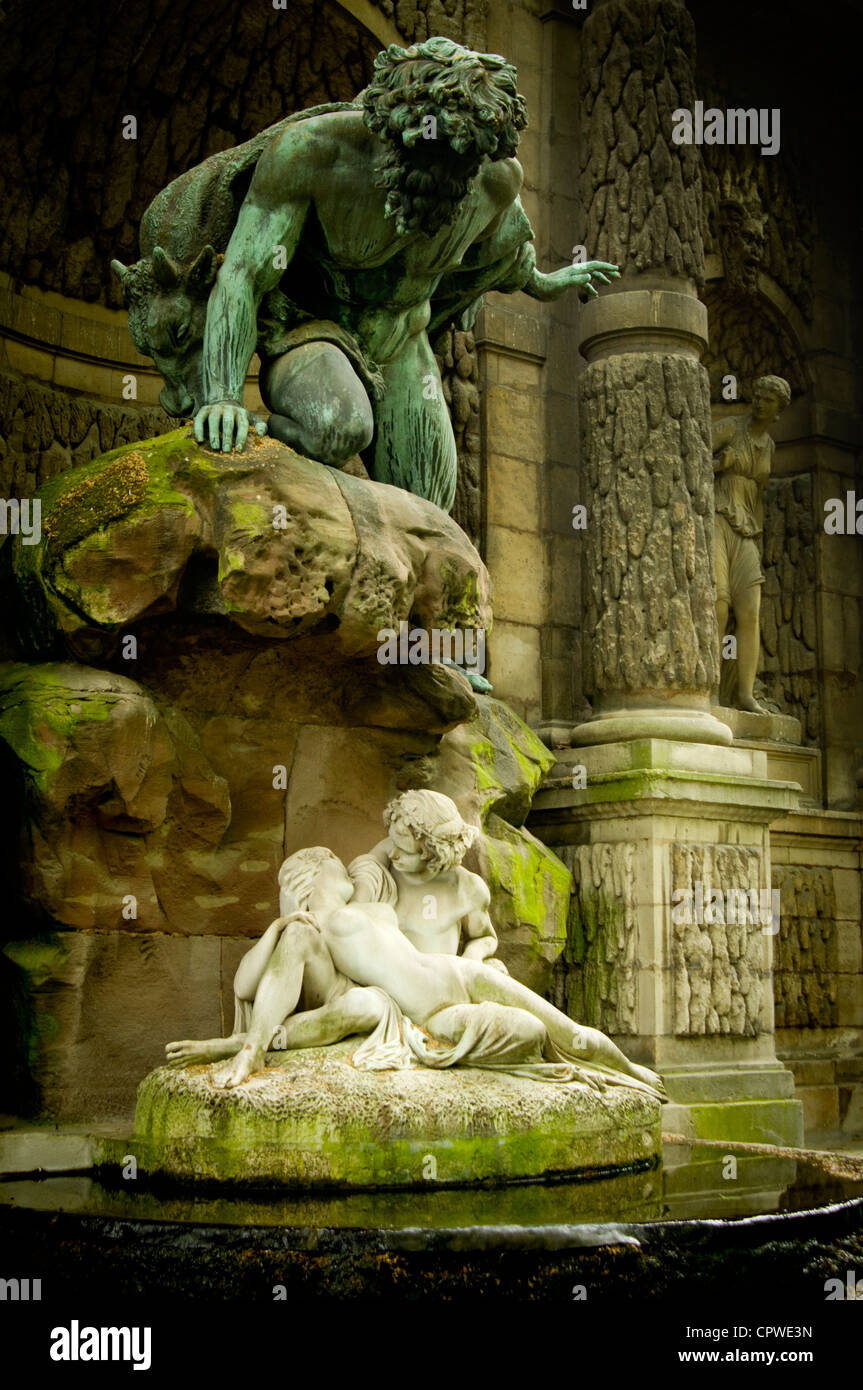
(438, 899)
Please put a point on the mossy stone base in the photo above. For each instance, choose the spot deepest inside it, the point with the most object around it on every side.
(756, 1121)
(313, 1119)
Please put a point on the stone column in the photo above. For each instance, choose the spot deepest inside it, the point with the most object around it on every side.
(650, 651)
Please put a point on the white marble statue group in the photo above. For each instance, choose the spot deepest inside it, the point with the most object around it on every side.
(373, 950)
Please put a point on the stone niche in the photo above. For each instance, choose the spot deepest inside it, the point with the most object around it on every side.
(198, 695)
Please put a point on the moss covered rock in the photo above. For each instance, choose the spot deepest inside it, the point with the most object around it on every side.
(294, 547)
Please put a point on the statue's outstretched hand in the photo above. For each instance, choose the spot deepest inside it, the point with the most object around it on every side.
(221, 419)
(579, 275)
(583, 272)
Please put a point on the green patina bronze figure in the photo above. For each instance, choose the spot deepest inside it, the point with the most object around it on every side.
(333, 244)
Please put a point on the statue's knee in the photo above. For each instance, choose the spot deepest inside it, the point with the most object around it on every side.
(529, 1030)
(297, 940)
(346, 428)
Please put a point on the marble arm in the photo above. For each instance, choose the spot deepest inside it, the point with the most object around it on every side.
(723, 433)
(482, 943)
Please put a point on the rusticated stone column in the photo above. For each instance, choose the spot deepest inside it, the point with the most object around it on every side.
(649, 635)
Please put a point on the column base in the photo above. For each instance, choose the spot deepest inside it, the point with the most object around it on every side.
(672, 921)
(666, 722)
(741, 1103)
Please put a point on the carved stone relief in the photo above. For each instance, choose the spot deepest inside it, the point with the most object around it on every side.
(758, 217)
(718, 963)
(805, 965)
(595, 979)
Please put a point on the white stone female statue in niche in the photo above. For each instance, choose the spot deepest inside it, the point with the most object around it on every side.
(342, 962)
(742, 460)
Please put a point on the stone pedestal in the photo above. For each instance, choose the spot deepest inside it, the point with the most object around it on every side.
(311, 1119)
(779, 736)
(668, 843)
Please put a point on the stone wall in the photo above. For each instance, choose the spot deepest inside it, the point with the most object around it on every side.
(462, 20)
(789, 635)
(806, 958)
(818, 955)
(44, 431)
(198, 77)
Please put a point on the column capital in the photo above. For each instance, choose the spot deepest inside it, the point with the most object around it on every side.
(644, 320)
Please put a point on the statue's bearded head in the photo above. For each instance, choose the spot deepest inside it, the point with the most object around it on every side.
(167, 305)
(440, 110)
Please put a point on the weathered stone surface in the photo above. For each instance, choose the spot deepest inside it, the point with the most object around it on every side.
(642, 191)
(99, 1005)
(759, 215)
(721, 969)
(115, 784)
(494, 763)
(299, 549)
(257, 649)
(596, 978)
(195, 87)
(789, 642)
(44, 432)
(748, 339)
(458, 361)
(313, 1119)
(186, 800)
(806, 965)
(530, 890)
(648, 567)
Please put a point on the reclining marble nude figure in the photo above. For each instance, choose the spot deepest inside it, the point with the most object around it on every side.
(344, 951)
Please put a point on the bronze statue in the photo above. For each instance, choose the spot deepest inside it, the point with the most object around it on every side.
(348, 235)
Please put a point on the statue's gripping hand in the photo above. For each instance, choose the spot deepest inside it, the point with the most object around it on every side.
(226, 425)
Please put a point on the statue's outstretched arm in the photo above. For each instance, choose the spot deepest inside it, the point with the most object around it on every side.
(578, 276)
(505, 261)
